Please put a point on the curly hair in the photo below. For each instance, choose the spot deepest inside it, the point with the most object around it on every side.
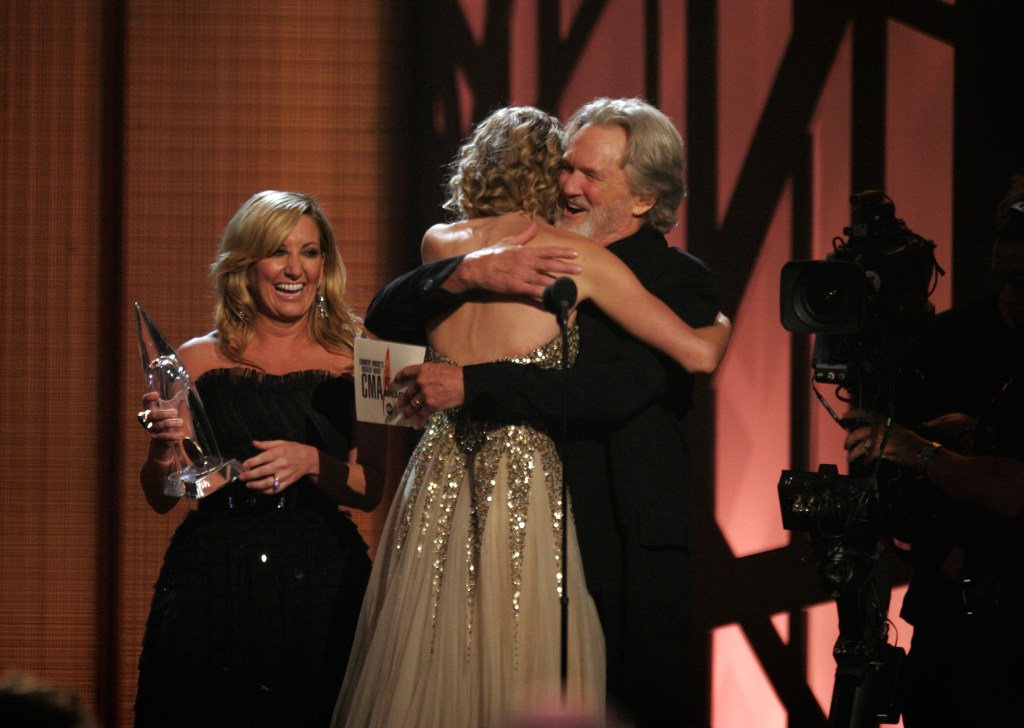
(654, 160)
(257, 230)
(510, 163)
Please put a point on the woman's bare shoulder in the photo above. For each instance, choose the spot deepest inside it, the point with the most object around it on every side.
(465, 236)
(205, 344)
(201, 354)
(549, 235)
(444, 240)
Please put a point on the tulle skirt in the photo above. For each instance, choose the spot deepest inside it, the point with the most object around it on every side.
(462, 621)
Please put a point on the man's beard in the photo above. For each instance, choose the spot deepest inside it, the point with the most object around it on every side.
(595, 224)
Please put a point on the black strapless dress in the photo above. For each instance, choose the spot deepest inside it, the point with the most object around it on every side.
(257, 601)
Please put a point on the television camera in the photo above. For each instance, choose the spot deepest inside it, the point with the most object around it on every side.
(866, 304)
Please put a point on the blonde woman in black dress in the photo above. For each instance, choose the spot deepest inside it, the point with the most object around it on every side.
(256, 603)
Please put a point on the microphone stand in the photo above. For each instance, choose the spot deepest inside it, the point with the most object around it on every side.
(559, 297)
(563, 324)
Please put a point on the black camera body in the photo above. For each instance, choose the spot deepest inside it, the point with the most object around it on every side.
(866, 305)
(824, 502)
(866, 302)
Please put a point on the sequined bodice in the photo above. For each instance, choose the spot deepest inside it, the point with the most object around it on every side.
(548, 356)
(469, 434)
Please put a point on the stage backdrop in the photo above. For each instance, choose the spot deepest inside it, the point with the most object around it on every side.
(132, 130)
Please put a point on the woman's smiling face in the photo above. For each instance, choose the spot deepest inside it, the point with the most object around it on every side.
(284, 284)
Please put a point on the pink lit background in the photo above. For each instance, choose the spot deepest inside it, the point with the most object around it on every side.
(752, 388)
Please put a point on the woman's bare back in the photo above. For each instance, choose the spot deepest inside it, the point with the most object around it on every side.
(489, 327)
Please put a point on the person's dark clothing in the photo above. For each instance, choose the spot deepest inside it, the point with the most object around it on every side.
(256, 604)
(964, 665)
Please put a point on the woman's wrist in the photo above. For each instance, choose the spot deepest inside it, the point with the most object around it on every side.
(161, 454)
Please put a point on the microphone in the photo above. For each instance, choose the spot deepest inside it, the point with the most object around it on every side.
(559, 297)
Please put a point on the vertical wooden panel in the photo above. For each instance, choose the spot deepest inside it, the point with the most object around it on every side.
(49, 434)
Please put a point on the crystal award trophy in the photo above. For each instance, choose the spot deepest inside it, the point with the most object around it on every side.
(198, 466)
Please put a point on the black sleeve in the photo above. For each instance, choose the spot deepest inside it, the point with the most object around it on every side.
(401, 310)
(608, 390)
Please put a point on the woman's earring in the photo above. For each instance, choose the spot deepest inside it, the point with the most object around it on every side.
(321, 303)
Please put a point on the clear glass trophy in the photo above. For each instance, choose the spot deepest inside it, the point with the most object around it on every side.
(199, 468)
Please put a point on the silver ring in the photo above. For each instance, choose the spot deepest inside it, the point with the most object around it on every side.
(144, 419)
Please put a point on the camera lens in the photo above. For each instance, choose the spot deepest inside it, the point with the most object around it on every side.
(822, 296)
(823, 300)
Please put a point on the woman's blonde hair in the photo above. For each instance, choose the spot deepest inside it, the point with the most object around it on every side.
(510, 163)
(257, 230)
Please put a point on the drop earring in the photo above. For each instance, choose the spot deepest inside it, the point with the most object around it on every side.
(321, 302)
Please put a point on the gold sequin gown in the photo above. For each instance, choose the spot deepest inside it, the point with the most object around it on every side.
(461, 623)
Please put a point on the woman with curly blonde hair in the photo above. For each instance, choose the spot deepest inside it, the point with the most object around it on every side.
(461, 624)
(512, 165)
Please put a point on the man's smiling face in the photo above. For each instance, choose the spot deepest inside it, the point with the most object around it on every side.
(599, 204)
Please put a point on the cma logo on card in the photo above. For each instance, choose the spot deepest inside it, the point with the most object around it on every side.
(377, 383)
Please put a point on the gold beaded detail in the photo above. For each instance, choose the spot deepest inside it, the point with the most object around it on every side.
(455, 450)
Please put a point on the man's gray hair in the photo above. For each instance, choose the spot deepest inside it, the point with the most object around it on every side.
(653, 161)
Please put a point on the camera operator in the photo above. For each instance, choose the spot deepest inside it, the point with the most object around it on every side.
(965, 535)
